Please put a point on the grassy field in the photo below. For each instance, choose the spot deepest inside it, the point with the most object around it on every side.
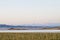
(29, 36)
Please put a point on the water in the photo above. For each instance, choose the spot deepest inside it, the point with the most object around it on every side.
(22, 31)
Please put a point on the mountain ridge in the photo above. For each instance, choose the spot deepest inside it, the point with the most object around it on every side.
(29, 26)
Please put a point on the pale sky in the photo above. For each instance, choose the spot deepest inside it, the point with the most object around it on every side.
(29, 11)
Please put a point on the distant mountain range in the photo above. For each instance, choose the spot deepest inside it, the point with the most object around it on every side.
(30, 26)
(44, 25)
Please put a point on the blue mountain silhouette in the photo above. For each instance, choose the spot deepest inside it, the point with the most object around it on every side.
(29, 26)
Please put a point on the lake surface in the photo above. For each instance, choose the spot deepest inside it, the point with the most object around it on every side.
(53, 31)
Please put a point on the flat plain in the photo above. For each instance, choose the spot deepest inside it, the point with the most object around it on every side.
(29, 36)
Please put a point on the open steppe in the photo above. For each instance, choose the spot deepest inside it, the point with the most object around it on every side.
(29, 36)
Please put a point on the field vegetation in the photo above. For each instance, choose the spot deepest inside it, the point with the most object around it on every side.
(29, 36)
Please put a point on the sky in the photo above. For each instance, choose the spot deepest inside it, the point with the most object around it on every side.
(29, 11)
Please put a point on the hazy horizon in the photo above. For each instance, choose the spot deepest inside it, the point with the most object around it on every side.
(29, 11)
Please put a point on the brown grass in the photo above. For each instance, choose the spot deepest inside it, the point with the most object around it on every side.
(29, 36)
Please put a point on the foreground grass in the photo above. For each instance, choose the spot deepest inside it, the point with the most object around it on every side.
(29, 36)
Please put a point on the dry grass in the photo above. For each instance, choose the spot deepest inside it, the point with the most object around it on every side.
(29, 36)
